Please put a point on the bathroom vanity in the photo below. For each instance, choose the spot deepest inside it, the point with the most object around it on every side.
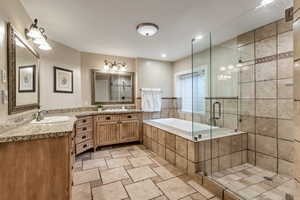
(106, 128)
(36, 161)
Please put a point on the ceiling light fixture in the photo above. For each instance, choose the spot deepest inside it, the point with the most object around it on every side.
(164, 55)
(264, 3)
(147, 29)
(37, 35)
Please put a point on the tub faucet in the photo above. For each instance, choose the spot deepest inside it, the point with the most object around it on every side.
(39, 115)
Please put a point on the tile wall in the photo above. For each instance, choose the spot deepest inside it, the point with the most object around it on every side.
(170, 108)
(296, 27)
(204, 156)
(266, 95)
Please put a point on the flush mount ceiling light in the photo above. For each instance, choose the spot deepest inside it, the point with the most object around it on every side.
(37, 35)
(147, 29)
(163, 55)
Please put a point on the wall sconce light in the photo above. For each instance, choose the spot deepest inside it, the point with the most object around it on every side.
(37, 35)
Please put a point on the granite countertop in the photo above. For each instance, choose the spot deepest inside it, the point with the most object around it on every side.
(106, 112)
(30, 131)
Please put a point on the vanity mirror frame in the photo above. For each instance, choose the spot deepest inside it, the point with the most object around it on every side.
(13, 108)
(93, 77)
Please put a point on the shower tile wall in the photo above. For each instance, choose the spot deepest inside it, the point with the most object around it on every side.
(170, 108)
(266, 95)
(296, 27)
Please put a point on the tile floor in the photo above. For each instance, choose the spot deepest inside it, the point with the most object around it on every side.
(132, 172)
(248, 182)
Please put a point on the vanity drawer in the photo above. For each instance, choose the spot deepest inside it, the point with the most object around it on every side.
(84, 129)
(107, 118)
(132, 116)
(84, 146)
(83, 137)
(84, 121)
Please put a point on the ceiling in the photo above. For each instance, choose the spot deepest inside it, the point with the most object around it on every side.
(109, 26)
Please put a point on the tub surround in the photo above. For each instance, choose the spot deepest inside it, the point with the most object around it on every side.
(186, 130)
(190, 156)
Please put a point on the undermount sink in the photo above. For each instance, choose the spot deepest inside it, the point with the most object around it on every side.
(49, 120)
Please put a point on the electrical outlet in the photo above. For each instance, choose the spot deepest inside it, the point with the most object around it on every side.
(3, 76)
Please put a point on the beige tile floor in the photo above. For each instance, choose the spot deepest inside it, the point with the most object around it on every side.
(132, 172)
(248, 182)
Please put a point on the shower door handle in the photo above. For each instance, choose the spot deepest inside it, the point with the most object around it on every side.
(214, 110)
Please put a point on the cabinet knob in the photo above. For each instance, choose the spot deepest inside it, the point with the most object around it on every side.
(84, 128)
(85, 146)
(129, 116)
(107, 118)
(84, 120)
(83, 137)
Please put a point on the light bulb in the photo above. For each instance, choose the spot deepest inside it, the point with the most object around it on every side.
(34, 33)
(45, 46)
(123, 68)
(40, 41)
(222, 69)
(115, 68)
(106, 67)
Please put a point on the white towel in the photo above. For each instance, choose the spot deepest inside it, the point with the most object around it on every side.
(151, 99)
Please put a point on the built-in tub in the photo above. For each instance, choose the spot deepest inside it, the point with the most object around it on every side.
(191, 130)
(172, 139)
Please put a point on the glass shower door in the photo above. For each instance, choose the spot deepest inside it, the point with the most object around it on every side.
(201, 106)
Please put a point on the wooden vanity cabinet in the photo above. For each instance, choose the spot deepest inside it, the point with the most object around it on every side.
(116, 129)
(84, 134)
(36, 169)
(106, 133)
(129, 131)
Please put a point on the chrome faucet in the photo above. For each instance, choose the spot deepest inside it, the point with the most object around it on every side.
(40, 115)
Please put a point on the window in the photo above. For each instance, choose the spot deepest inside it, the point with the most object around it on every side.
(186, 93)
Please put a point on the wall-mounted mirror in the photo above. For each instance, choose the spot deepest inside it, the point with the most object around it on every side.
(23, 74)
(112, 88)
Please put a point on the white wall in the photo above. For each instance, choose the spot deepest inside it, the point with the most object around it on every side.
(64, 57)
(91, 61)
(155, 74)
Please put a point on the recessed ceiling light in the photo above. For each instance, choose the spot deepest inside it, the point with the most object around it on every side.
(164, 55)
(199, 37)
(264, 3)
(147, 29)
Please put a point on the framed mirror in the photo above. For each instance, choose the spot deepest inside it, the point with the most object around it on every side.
(112, 88)
(23, 74)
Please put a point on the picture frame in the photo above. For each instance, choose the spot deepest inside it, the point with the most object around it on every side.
(27, 76)
(63, 80)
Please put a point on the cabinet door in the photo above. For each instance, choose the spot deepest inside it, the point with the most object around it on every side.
(129, 131)
(107, 133)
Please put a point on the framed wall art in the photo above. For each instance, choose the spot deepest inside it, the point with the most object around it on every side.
(27, 78)
(63, 80)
